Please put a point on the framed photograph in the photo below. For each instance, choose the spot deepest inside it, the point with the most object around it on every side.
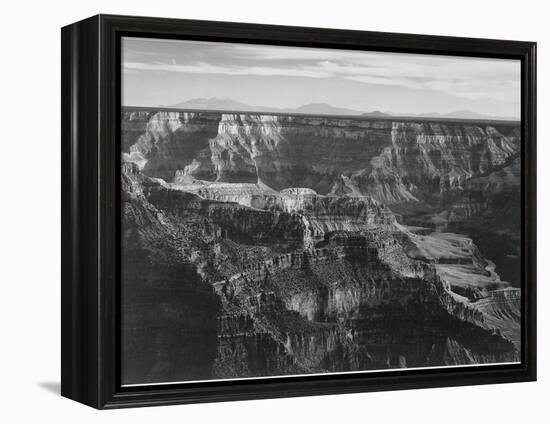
(253, 211)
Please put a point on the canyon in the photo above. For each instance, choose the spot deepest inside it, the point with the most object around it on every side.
(275, 244)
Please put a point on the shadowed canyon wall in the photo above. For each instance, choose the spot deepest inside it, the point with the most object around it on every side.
(258, 245)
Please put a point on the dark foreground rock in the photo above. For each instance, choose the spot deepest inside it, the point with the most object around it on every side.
(255, 281)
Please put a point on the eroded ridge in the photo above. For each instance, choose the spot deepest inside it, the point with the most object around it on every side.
(260, 245)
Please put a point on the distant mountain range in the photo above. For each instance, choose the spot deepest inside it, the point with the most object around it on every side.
(212, 103)
(460, 114)
(215, 103)
(324, 109)
(376, 113)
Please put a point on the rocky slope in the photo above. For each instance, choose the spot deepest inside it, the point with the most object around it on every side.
(444, 175)
(229, 271)
(391, 160)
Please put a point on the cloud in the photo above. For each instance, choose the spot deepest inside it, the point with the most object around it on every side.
(499, 80)
(467, 77)
(206, 68)
(278, 53)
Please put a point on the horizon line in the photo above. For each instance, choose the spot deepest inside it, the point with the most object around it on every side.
(360, 116)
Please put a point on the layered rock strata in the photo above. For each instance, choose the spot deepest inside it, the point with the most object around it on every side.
(258, 245)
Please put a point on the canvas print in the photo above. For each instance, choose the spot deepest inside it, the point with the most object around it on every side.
(296, 211)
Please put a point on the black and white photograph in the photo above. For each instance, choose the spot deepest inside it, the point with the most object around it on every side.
(275, 213)
(293, 211)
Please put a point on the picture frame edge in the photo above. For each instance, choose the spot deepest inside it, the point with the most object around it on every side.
(90, 75)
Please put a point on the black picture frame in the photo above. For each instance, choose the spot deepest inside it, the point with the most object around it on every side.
(91, 211)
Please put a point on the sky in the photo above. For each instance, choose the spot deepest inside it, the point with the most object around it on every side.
(165, 72)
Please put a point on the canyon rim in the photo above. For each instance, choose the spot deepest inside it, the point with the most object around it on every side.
(299, 237)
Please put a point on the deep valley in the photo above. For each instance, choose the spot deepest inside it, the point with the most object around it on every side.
(263, 245)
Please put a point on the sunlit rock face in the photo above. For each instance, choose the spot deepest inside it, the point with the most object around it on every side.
(390, 160)
(257, 245)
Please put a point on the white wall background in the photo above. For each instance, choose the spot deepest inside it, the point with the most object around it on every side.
(30, 212)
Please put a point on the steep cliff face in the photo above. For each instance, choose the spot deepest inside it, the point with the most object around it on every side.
(319, 213)
(456, 176)
(164, 142)
(391, 160)
(240, 279)
(168, 313)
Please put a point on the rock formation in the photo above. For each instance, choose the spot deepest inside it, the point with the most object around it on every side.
(257, 245)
